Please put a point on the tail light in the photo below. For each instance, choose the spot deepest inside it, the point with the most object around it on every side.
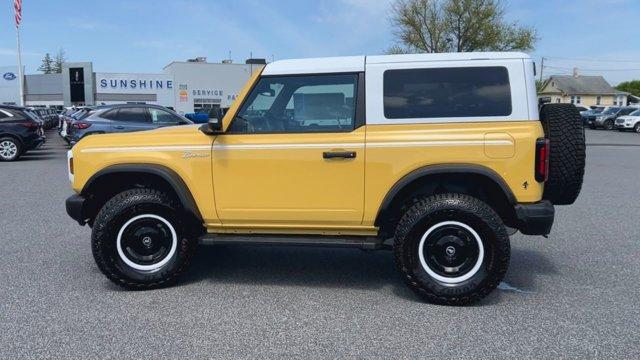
(542, 160)
(81, 125)
(29, 124)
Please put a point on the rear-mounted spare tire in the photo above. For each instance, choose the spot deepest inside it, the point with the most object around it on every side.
(563, 127)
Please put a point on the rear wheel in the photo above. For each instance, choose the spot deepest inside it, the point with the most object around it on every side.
(567, 152)
(453, 249)
(10, 149)
(139, 242)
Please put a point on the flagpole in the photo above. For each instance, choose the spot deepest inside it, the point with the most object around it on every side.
(20, 74)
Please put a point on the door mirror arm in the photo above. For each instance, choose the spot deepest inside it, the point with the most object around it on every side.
(212, 127)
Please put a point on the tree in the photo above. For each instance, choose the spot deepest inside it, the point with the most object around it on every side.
(59, 60)
(456, 26)
(632, 87)
(47, 64)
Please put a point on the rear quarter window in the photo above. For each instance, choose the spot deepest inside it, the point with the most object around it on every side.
(447, 92)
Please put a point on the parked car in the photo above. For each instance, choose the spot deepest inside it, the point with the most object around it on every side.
(20, 132)
(607, 118)
(203, 115)
(120, 118)
(587, 113)
(629, 122)
(441, 170)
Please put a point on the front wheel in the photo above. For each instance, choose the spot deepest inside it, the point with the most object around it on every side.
(608, 125)
(139, 241)
(637, 128)
(10, 149)
(452, 249)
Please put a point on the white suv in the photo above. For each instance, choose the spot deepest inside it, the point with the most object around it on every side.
(628, 122)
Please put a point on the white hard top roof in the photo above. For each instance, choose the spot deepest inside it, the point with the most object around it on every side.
(357, 63)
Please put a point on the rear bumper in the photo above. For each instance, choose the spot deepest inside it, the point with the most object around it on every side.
(535, 219)
(75, 208)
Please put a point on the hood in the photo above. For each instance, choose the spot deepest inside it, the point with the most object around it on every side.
(166, 136)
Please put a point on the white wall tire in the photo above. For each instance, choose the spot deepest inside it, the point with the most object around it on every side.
(153, 267)
(456, 279)
(119, 246)
(430, 227)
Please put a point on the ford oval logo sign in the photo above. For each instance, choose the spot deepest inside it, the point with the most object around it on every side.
(9, 76)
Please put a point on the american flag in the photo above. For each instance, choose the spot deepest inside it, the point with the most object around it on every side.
(17, 5)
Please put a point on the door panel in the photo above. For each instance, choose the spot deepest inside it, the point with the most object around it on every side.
(286, 179)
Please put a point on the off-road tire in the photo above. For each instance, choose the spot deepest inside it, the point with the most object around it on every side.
(116, 212)
(427, 213)
(18, 146)
(563, 127)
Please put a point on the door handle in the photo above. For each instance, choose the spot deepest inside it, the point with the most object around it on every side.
(119, 127)
(339, 154)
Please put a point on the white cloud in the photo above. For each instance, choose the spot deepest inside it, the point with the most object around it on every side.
(12, 52)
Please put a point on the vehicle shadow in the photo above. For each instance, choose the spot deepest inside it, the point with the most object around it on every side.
(337, 268)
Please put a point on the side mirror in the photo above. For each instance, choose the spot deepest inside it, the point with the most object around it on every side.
(212, 127)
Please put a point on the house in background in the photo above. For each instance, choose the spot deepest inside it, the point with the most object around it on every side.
(582, 90)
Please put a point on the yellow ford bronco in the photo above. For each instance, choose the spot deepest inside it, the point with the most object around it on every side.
(439, 157)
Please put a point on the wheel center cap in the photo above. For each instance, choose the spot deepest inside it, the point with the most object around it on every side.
(450, 250)
(146, 241)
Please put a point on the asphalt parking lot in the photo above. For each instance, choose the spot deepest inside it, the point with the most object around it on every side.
(573, 295)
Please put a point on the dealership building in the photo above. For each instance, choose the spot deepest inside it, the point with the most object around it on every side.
(184, 86)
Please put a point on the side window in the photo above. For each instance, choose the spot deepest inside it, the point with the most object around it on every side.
(159, 116)
(110, 114)
(133, 114)
(447, 92)
(299, 104)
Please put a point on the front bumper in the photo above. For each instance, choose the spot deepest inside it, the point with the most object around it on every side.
(535, 219)
(624, 126)
(75, 208)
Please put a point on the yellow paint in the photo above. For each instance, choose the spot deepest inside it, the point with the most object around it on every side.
(280, 183)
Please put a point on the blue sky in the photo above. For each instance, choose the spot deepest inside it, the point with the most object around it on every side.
(143, 36)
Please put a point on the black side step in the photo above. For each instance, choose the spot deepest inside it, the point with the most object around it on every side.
(361, 242)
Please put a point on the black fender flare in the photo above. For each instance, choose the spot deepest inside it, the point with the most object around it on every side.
(170, 176)
(437, 170)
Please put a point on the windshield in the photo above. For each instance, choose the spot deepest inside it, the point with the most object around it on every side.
(611, 111)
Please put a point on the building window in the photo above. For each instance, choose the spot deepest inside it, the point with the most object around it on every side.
(576, 99)
(447, 92)
(558, 100)
(598, 100)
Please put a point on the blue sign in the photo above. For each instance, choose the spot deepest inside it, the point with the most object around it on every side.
(9, 76)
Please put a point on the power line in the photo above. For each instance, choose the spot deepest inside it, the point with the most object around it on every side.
(581, 69)
(593, 60)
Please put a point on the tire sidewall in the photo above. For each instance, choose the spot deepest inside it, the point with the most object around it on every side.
(106, 251)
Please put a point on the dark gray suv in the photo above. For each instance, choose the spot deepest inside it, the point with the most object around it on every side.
(121, 118)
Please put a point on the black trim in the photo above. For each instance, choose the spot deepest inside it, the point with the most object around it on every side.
(535, 219)
(441, 169)
(361, 112)
(176, 182)
(75, 208)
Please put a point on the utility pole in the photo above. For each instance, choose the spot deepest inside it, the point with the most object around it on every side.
(541, 68)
